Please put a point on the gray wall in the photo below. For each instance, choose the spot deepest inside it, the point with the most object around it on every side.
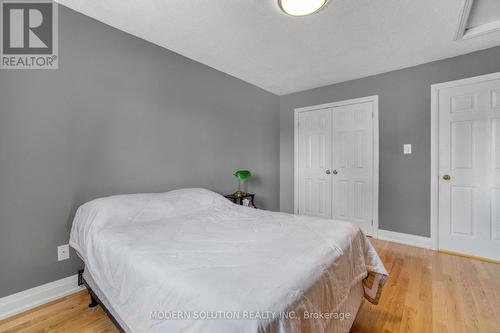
(121, 115)
(404, 113)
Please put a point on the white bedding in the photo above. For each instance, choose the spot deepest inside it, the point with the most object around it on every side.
(193, 251)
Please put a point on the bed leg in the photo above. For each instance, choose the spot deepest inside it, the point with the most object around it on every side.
(80, 277)
(93, 301)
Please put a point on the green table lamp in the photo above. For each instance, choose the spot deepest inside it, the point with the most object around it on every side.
(243, 176)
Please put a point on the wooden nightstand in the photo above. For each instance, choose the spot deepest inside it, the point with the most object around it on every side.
(239, 200)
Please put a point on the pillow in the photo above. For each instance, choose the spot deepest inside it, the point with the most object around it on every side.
(203, 198)
(145, 207)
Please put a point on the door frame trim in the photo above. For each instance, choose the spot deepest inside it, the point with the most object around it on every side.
(435, 88)
(375, 100)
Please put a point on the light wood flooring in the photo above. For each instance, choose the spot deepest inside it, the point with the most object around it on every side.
(426, 291)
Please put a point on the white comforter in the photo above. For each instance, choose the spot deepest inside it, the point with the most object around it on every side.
(193, 251)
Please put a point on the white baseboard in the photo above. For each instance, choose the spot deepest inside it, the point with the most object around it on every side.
(31, 298)
(407, 239)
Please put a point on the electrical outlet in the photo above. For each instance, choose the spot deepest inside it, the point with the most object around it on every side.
(63, 252)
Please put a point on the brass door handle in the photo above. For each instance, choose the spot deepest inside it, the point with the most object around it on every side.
(328, 172)
(335, 172)
(446, 177)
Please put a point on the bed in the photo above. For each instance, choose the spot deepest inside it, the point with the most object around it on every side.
(191, 261)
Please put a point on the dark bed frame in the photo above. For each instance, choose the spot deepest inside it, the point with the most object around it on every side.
(95, 301)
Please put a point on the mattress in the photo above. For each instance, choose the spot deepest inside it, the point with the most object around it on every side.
(191, 261)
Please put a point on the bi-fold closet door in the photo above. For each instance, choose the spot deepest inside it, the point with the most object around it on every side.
(335, 162)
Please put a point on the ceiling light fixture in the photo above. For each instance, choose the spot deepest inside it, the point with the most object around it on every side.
(301, 7)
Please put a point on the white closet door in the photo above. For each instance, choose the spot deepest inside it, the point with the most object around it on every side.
(469, 169)
(315, 147)
(353, 164)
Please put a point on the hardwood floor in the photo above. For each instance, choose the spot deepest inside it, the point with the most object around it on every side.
(426, 291)
(67, 314)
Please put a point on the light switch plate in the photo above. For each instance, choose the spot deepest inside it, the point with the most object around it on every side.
(407, 148)
(63, 252)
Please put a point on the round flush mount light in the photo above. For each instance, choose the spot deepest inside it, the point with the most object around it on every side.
(301, 7)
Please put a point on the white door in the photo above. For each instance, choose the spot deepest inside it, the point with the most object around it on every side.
(315, 151)
(469, 169)
(353, 164)
(335, 162)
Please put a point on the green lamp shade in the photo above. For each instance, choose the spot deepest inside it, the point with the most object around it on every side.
(243, 174)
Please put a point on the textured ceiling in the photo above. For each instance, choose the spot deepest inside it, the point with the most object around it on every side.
(254, 41)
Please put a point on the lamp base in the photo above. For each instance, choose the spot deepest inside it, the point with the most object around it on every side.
(239, 194)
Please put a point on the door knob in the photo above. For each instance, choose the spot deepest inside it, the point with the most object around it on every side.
(446, 177)
(328, 172)
(335, 172)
